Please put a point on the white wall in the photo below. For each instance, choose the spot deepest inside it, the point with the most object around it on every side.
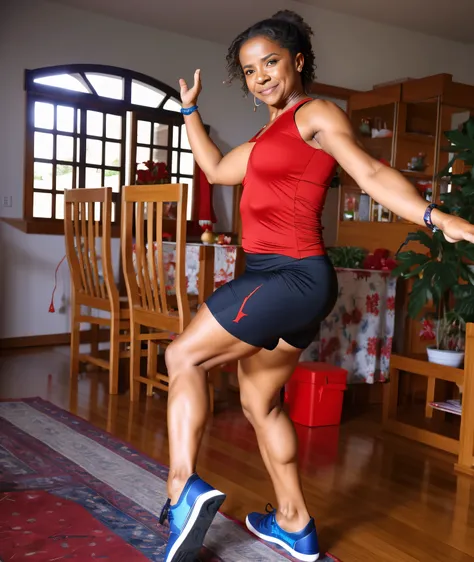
(358, 53)
(35, 33)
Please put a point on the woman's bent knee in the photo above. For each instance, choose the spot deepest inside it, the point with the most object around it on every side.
(177, 358)
(180, 359)
(256, 413)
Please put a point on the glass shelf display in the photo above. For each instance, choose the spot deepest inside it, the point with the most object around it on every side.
(405, 134)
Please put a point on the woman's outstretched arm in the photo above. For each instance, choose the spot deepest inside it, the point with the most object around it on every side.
(385, 185)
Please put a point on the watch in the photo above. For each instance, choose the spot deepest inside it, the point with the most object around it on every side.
(427, 217)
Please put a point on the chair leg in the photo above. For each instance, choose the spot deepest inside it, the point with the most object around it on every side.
(135, 353)
(152, 365)
(75, 341)
(430, 396)
(114, 355)
(95, 328)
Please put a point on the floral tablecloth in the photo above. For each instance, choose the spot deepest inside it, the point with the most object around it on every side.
(224, 265)
(358, 333)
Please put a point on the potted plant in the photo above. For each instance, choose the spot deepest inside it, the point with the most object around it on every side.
(350, 257)
(444, 275)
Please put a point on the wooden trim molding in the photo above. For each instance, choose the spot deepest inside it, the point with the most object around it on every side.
(50, 340)
(36, 226)
(330, 91)
(46, 226)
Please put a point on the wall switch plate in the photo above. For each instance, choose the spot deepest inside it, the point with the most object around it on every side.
(7, 201)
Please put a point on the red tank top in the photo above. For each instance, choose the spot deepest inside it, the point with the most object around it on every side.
(284, 192)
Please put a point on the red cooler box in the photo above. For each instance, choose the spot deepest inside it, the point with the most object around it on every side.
(315, 394)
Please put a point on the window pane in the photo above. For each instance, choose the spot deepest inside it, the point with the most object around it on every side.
(143, 154)
(160, 134)
(65, 119)
(160, 155)
(112, 179)
(172, 105)
(113, 212)
(146, 95)
(97, 211)
(143, 132)
(43, 146)
(184, 138)
(186, 164)
(112, 153)
(44, 115)
(174, 179)
(93, 177)
(93, 151)
(65, 81)
(95, 123)
(175, 137)
(174, 162)
(59, 206)
(113, 126)
(64, 177)
(43, 176)
(64, 148)
(107, 86)
(42, 205)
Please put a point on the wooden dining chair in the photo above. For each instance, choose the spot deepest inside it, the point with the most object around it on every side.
(159, 308)
(87, 229)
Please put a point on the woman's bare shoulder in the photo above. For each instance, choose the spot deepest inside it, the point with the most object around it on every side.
(325, 108)
(324, 114)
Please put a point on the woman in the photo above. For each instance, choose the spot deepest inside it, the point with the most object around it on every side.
(270, 314)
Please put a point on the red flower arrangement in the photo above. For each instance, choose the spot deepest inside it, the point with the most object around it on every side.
(155, 173)
(427, 331)
(379, 260)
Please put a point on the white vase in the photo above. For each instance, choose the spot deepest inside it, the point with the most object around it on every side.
(445, 356)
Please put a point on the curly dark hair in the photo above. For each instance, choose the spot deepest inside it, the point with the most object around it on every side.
(286, 28)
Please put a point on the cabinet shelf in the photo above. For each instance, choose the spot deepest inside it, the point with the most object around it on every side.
(421, 138)
(417, 175)
(415, 113)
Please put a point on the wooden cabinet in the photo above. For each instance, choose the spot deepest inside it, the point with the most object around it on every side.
(403, 126)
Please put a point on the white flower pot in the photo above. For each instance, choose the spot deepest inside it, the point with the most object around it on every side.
(445, 357)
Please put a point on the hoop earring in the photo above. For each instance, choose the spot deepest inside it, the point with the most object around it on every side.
(255, 104)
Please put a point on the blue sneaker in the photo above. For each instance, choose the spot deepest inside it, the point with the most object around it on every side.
(302, 545)
(190, 519)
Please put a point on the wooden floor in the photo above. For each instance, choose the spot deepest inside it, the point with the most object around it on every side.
(375, 497)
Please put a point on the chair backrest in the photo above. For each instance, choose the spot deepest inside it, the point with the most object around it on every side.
(142, 249)
(87, 229)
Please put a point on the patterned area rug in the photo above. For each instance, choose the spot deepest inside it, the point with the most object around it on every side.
(71, 491)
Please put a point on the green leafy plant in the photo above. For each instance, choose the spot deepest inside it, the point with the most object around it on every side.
(443, 275)
(350, 257)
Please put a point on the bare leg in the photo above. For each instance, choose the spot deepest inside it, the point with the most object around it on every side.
(202, 346)
(260, 379)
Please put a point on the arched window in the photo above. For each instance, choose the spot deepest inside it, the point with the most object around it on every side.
(92, 126)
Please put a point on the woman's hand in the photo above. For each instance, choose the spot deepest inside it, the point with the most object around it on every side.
(189, 96)
(456, 229)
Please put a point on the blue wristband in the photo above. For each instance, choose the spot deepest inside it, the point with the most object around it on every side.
(427, 217)
(188, 110)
